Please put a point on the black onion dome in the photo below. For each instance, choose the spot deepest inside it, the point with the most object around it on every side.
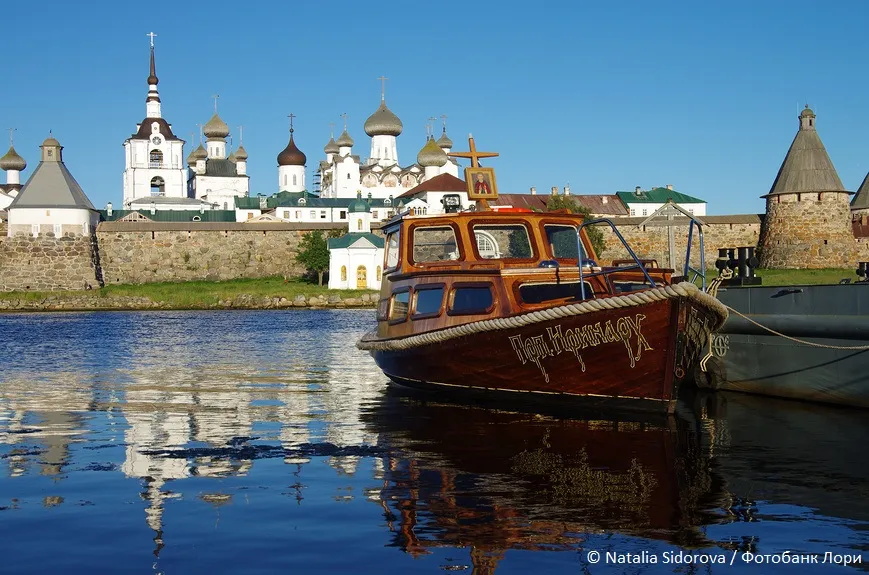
(291, 155)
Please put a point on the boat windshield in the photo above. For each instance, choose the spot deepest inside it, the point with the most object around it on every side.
(562, 241)
(392, 249)
(503, 241)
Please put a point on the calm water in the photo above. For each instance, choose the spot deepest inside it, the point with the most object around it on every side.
(262, 442)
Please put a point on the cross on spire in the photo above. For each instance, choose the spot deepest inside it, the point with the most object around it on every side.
(152, 35)
(11, 132)
(200, 133)
(331, 129)
(216, 97)
(291, 116)
(344, 115)
(473, 154)
(383, 80)
(444, 120)
(240, 135)
(429, 128)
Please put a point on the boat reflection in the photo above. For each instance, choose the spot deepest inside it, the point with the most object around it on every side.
(498, 480)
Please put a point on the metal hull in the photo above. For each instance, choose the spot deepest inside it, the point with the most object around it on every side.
(755, 361)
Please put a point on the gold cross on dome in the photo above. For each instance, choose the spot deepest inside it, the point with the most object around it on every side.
(473, 154)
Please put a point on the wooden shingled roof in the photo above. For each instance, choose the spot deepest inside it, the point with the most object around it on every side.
(861, 200)
(807, 166)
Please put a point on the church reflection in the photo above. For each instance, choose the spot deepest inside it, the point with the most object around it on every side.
(495, 481)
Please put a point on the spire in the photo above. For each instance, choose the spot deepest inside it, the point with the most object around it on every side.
(152, 102)
(383, 80)
(444, 141)
(807, 166)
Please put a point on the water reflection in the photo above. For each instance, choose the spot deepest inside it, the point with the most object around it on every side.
(143, 443)
(499, 480)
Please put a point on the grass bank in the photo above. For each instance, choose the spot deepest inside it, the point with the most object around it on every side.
(799, 277)
(198, 294)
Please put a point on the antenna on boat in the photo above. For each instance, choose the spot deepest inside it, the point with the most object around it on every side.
(480, 180)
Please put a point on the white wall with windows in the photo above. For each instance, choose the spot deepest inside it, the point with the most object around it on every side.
(154, 167)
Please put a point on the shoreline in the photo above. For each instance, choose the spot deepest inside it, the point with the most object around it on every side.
(99, 302)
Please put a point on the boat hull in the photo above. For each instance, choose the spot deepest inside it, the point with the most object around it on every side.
(751, 359)
(630, 358)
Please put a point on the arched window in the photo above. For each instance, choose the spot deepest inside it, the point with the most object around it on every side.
(158, 187)
(348, 176)
(359, 225)
(156, 159)
(361, 278)
(378, 273)
(294, 179)
(343, 273)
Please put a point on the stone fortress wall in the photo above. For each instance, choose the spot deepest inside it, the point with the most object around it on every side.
(142, 252)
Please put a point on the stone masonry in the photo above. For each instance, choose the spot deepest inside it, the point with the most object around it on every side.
(47, 263)
(809, 230)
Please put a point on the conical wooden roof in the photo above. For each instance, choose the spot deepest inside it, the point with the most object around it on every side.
(861, 200)
(807, 166)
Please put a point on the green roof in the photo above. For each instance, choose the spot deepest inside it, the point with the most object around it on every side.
(657, 196)
(173, 215)
(291, 200)
(347, 240)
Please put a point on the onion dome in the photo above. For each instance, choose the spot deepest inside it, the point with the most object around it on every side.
(232, 157)
(50, 142)
(241, 154)
(200, 153)
(291, 155)
(191, 158)
(383, 122)
(807, 113)
(444, 141)
(358, 205)
(331, 147)
(12, 161)
(431, 155)
(215, 128)
(344, 140)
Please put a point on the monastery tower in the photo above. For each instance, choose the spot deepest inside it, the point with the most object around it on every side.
(808, 219)
(153, 155)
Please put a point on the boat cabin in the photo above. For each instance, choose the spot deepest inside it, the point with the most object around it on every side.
(446, 270)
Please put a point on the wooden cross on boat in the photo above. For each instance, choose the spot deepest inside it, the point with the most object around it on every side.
(480, 180)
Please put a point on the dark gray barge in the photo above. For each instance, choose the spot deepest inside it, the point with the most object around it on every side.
(827, 319)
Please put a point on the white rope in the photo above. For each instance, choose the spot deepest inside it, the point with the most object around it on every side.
(685, 290)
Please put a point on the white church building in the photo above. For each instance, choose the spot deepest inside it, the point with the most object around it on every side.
(355, 259)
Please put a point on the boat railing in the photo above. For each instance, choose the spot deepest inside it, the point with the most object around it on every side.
(581, 262)
(701, 273)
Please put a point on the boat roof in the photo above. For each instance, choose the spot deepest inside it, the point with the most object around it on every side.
(511, 213)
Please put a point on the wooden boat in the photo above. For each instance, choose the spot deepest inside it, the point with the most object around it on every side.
(512, 303)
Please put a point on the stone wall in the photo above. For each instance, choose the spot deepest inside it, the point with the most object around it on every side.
(47, 263)
(142, 252)
(811, 230)
(651, 242)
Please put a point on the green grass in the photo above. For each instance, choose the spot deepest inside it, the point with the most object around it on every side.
(199, 294)
(798, 277)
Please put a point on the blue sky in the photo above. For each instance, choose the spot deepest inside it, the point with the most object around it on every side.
(604, 96)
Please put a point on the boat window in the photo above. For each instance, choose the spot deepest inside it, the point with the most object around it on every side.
(562, 241)
(398, 309)
(541, 292)
(392, 249)
(428, 300)
(502, 241)
(382, 308)
(471, 299)
(434, 244)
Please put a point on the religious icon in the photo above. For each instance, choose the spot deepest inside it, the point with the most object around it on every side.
(481, 183)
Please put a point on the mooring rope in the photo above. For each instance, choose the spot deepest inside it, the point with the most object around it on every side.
(684, 289)
(797, 340)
